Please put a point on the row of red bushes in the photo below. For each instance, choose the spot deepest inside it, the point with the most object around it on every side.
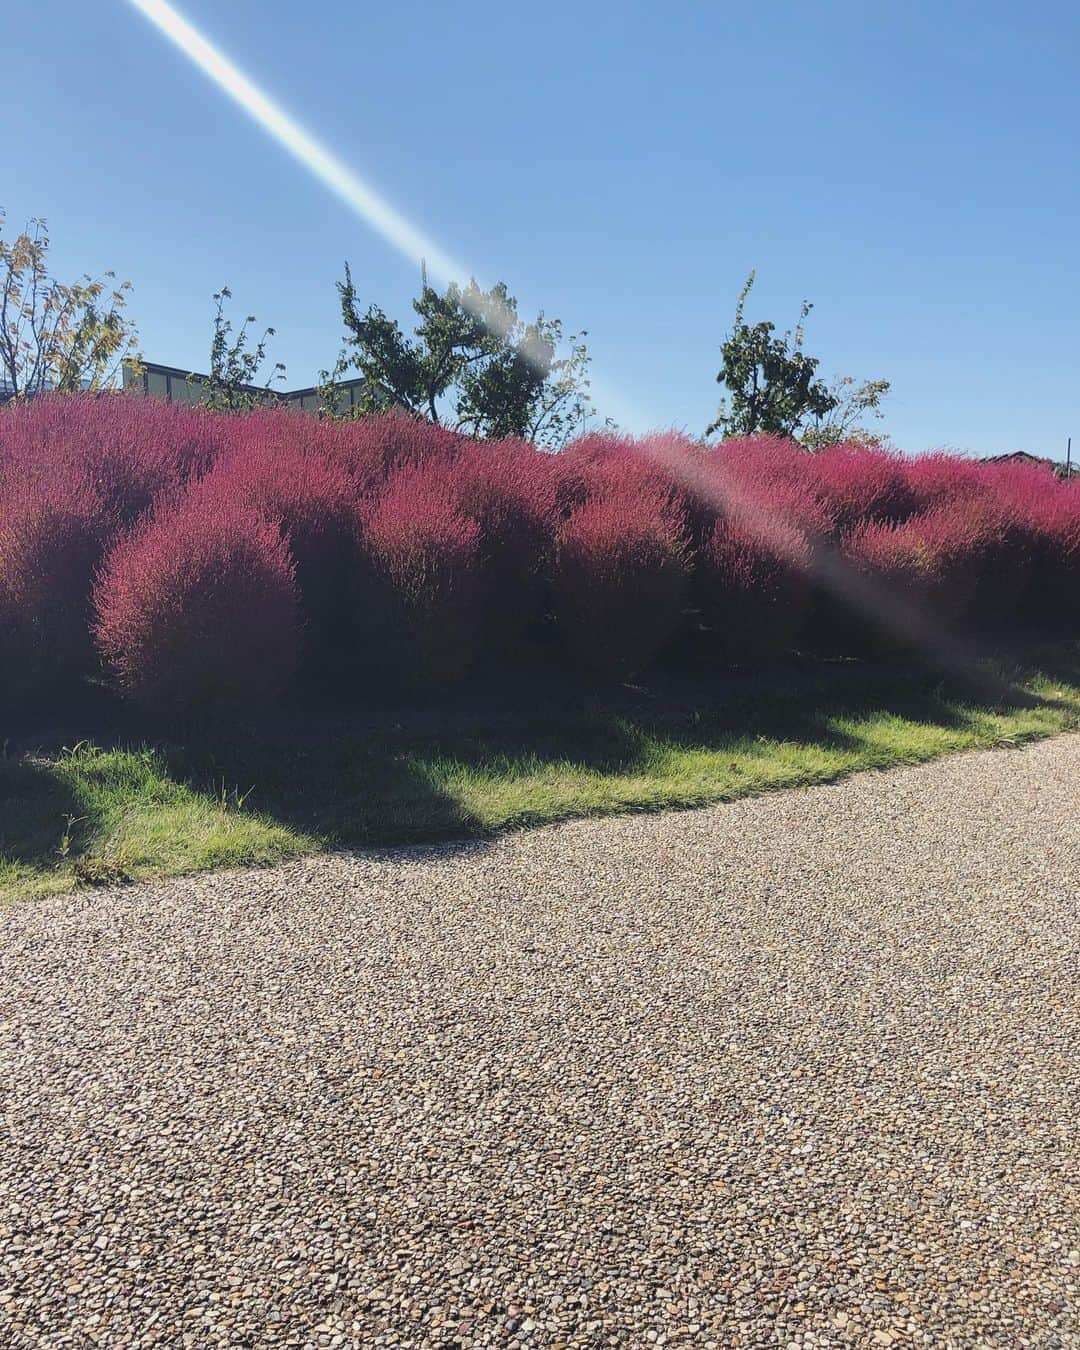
(203, 560)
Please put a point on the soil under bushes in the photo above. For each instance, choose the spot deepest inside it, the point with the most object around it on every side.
(195, 561)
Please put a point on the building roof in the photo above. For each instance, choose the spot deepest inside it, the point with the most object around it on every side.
(197, 377)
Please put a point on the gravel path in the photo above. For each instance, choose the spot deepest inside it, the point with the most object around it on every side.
(796, 1071)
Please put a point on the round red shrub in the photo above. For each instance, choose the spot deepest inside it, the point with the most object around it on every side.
(938, 479)
(912, 584)
(859, 483)
(272, 468)
(603, 463)
(51, 538)
(748, 474)
(1052, 597)
(372, 448)
(128, 449)
(508, 488)
(759, 465)
(999, 536)
(620, 582)
(754, 571)
(198, 613)
(419, 603)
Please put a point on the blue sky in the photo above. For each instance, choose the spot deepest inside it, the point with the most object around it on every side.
(911, 168)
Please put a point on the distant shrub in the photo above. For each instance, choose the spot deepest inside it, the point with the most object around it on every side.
(686, 466)
(51, 537)
(760, 465)
(915, 582)
(1049, 515)
(419, 597)
(666, 466)
(752, 469)
(1053, 596)
(197, 611)
(940, 479)
(603, 463)
(620, 582)
(1000, 539)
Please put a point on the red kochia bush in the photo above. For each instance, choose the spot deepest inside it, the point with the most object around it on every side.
(914, 583)
(51, 532)
(939, 479)
(270, 469)
(754, 469)
(620, 582)
(860, 483)
(128, 449)
(371, 449)
(754, 570)
(508, 488)
(197, 611)
(418, 602)
(665, 465)
(601, 463)
(1052, 598)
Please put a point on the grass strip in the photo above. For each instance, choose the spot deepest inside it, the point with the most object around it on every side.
(91, 815)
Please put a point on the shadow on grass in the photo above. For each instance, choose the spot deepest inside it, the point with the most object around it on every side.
(485, 759)
(349, 787)
(357, 786)
(38, 813)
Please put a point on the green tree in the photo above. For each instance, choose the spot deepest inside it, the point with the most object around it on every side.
(770, 380)
(57, 335)
(234, 380)
(854, 403)
(472, 364)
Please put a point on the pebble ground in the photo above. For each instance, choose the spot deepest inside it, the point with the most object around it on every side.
(798, 1071)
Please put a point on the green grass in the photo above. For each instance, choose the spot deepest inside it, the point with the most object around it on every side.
(94, 815)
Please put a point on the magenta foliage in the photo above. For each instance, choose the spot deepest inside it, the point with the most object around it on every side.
(620, 581)
(197, 611)
(756, 566)
(128, 449)
(52, 530)
(917, 582)
(371, 449)
(601, 464)
(510, 491)
(276, 466)
(861, 483)
(420, 604)
(1053, 595)
(940, 479)
(424, 550)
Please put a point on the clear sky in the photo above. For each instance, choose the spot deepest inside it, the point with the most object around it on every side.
(912, 168)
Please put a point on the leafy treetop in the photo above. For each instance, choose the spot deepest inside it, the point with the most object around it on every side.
(233, 382)
(57, 335)
(472, 364)
(773, 388)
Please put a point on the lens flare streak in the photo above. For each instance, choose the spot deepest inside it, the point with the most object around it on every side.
(398, 231)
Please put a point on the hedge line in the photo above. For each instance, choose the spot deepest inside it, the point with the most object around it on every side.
(201, 561)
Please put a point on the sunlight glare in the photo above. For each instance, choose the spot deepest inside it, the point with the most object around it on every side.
(410, 241)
